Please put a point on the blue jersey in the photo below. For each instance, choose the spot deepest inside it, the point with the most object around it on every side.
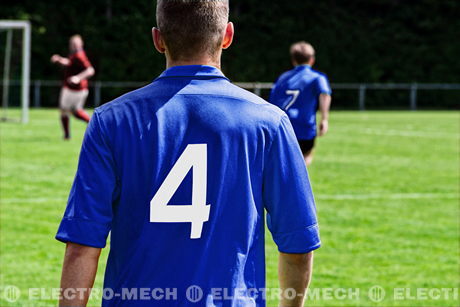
(180, 172)
(297, 92)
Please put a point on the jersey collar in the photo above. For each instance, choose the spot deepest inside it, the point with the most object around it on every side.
(192, 71)
(303, 66)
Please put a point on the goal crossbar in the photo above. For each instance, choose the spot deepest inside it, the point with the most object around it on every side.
(23, 25)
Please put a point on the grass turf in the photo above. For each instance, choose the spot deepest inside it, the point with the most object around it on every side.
(387, 191)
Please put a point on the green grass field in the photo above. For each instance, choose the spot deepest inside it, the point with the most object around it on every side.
(387, 191)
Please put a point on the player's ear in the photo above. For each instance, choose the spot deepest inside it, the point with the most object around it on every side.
(228, 35)
(158, 40)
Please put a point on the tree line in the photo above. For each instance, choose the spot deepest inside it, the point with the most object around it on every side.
(355, 40)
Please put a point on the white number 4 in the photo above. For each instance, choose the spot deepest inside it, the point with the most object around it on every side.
(295, 94)
(195, 155)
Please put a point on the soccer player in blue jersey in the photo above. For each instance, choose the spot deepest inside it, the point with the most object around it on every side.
(300, 92)
(181, 172)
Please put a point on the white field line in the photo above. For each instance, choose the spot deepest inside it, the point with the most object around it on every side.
(409, 133)
(387, 196)
(317, 196)
(51, 200)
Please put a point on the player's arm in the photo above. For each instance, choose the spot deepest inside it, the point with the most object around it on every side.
(57, 59)
(89, 213)
(295, 272)
(78, 274)
(291, 212)
(324, 106)
(85, 74)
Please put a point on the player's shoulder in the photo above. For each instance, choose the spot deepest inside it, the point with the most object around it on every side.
(123, 103)
(319, 74)
(251, 104)
(256, 101)
(79, 56)
(80, 53)
(286, 75)
(258, 113)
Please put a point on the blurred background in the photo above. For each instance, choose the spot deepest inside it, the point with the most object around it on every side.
(357, 42)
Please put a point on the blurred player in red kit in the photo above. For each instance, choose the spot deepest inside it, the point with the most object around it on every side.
(74, 91)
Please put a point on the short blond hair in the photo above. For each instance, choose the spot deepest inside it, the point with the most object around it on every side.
(76, 41)
(191, 27)
(302, 52)
(76, 36)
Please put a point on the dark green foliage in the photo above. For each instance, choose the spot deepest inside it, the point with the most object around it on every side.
(356, 40)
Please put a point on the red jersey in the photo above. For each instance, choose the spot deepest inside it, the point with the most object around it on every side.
(78, 63)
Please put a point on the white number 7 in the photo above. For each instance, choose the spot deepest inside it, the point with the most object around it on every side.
(295, 94)
(195, 155)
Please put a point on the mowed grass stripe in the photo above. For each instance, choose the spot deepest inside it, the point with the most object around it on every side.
(382, 195)
(386, 186)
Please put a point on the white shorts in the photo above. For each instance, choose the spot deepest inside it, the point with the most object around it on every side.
(70, 100)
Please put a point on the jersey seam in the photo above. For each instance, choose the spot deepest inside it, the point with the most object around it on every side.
(106, 142)
(262, 101)
(273, 138)
(192, 77)
(104, 139)
(218, 95)
(85, 220)
(259, 100)
(294, 231)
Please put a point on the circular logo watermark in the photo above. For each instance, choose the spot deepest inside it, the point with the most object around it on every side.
(11, 293)
(376, 294)
(194, 294)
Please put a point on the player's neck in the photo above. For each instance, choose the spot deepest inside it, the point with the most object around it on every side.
(203, 61)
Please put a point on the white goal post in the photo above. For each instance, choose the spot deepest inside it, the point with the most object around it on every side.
(9, 26)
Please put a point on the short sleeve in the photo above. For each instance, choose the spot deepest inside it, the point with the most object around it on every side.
(81, 56)
(288, 198)
(88, 216)
(323, 85)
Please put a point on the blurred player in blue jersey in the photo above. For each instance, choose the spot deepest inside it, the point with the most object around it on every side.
(181, 172)
(300, 92)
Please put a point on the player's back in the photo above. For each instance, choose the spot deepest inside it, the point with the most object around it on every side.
(194, 117)
(297, 91)
(180, 172)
